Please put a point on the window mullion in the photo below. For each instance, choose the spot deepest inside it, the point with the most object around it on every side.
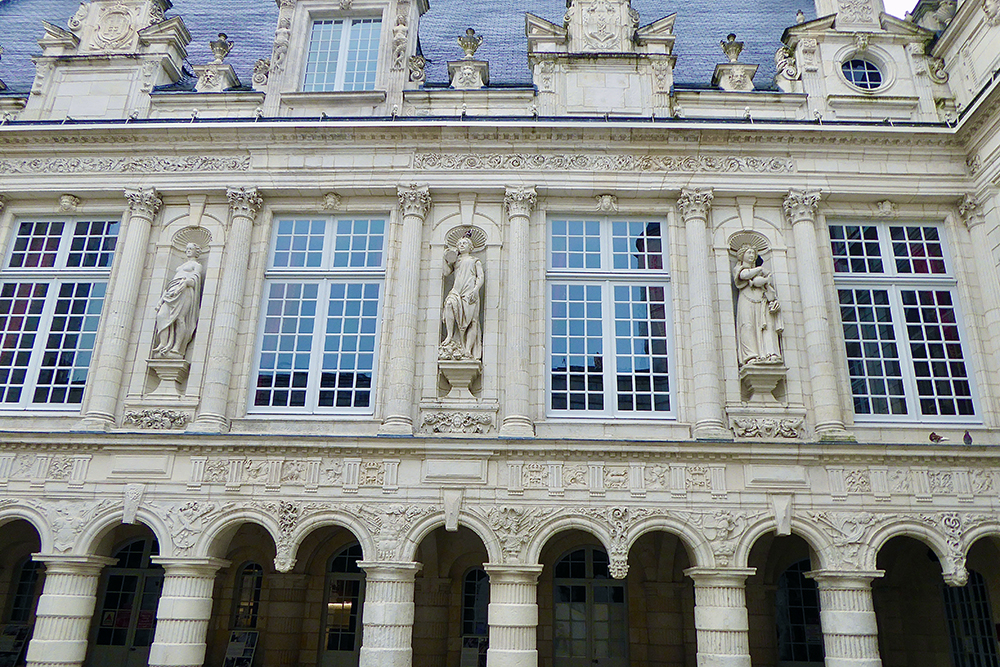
(345, 39)
(318, 345)
(41, 341)
(610, 349)
(903, 348)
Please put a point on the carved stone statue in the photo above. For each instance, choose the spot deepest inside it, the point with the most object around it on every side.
(758, 313)
(177, 311)
(462, 339)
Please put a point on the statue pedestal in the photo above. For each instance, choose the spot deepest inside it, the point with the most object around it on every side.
(171, 372)
(458, 417)
(760, 381)
(460, 375)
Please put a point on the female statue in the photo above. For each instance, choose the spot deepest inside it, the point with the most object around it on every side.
(758, 313)
(177, 312)
(460, 314)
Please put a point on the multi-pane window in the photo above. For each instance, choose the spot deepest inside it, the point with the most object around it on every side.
(344, 602)
(899, 310)
(797, 617)
(319, 335)
(246, 596)
(52, 288)
(970, 624)
(343, 55)
(609, 323)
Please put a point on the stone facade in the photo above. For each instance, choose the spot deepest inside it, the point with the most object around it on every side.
(313, 472)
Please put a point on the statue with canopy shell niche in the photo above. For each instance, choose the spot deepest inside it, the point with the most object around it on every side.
(759, 321)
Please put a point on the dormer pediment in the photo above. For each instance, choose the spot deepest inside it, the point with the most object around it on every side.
(658, 36)
(57, 38)
(544, 36)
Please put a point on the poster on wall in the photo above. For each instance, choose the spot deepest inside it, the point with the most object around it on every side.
(13, 642)
(242, 644)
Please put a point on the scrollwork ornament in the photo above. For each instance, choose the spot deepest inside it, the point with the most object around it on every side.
(417, 65)
(936, 70)
(784, 62)
(261, 71)
(76, 21)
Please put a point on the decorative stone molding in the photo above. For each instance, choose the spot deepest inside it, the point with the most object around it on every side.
(784, 63)
(801, 205)
(514, 527)
(388, 525)
(123, 165)
(605, 163)
(971, 211)
(856, 11)
(767, 427)
(3, 203)
(992, 10)
(887, 209)
(244, 202)
(519, 202)
(156, 418)
(415, 200)
(936, 70)
(332, 201)
(607, 203)
(807, 52)
(457, 422)
(69, 204)
(417, 65)
(68, 519)
(722, 529)
(132, 499)
(143, 203)
(186, 521)
(261, 72)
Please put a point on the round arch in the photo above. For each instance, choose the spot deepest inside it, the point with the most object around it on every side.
(89, 540)
(331, 518)
(429, 524)
(35, 519)
(549, 529)
(698, 548)
(932, 538)
(818, 541)
(216, 535)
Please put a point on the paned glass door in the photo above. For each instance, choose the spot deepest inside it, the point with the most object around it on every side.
(591, 616)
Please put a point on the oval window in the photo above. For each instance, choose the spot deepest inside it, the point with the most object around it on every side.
(862, 73)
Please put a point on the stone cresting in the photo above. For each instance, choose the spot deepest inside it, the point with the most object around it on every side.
(124, 165)
(607, 163)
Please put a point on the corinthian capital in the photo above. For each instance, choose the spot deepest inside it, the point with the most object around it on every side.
(695, 203)
(244, 202)
(800, 205)
(143, 203)
(415, 200)
(520, 202)
(971, 210)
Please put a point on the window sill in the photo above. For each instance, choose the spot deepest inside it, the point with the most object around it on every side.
(346, 97)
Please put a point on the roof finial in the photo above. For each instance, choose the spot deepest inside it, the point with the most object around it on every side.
(731, 47)
(800, 16)
(470, 43)
(221, 47)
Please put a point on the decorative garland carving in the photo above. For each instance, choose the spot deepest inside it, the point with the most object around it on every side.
(388, 524)
(514, 527)
(457, 422)
(722, 529)
(850, 533)
(760, 427)
(124, 165)
(156, 419)
(607, 163)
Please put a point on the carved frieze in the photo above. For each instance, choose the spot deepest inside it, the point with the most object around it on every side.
(125, 165)
(606, 163)
(722, 529)
(158, 419)
(388, 525)
(514, 527)
(766, 427)
(457, 422)
(68, 519)
(186, 521)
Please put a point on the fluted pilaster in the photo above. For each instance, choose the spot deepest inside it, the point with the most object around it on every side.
(517, 422)
(183, 612)
(800, 207)
(850, 631)
(244, 204)
(414, 204)
(119, 309)
(388, 614)
(65, 610)
(513, 614)
(720, 616)
(694, 207)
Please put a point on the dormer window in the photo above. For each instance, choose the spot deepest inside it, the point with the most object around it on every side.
(862, 73)
(343, 55)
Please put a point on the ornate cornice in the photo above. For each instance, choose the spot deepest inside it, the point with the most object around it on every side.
(801, 205)
(971, 211)
(695, 203)
(601, 162)
(244, 202)
(143, 203)
(124, 165)
(415, 200)
(519, 202)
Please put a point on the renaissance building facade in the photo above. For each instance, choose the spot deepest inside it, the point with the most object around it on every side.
(379, 333)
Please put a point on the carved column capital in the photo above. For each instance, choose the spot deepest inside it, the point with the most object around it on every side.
(971, 211)
(143, 203)
(415, 200)
(726, 577)
(519, 202)
(694, 203)
(801, 205)
(244, 202)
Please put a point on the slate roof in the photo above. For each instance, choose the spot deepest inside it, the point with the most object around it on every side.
(699, 27)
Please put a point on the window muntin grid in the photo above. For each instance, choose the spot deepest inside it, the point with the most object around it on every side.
(25, 592)
(609, 339)
(246, 598)
(862, 73)
(901, 322)
(797, 616)
(52, 291)
(344, 601)
(589, 611)
(970, 624)
(320, 320)
(342, 55)
(475, 604)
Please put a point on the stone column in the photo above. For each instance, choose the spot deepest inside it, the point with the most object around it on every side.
(513, 614)
(517, 421)
(243, 207)
(184, 611)
(65, 610)
(388, 614)
(105, 379)
(414, 203)
(694, 206)
(850, 633)
(971, 211)
(800, 207)
(720, 616)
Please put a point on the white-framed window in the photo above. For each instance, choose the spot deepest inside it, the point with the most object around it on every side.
(343, 54)
(52, 287)
(318, 344)
(609, 318)
(902, 324)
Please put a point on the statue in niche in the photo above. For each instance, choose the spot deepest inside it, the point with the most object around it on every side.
(462, 338)
(758, 313)
(177, 311)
